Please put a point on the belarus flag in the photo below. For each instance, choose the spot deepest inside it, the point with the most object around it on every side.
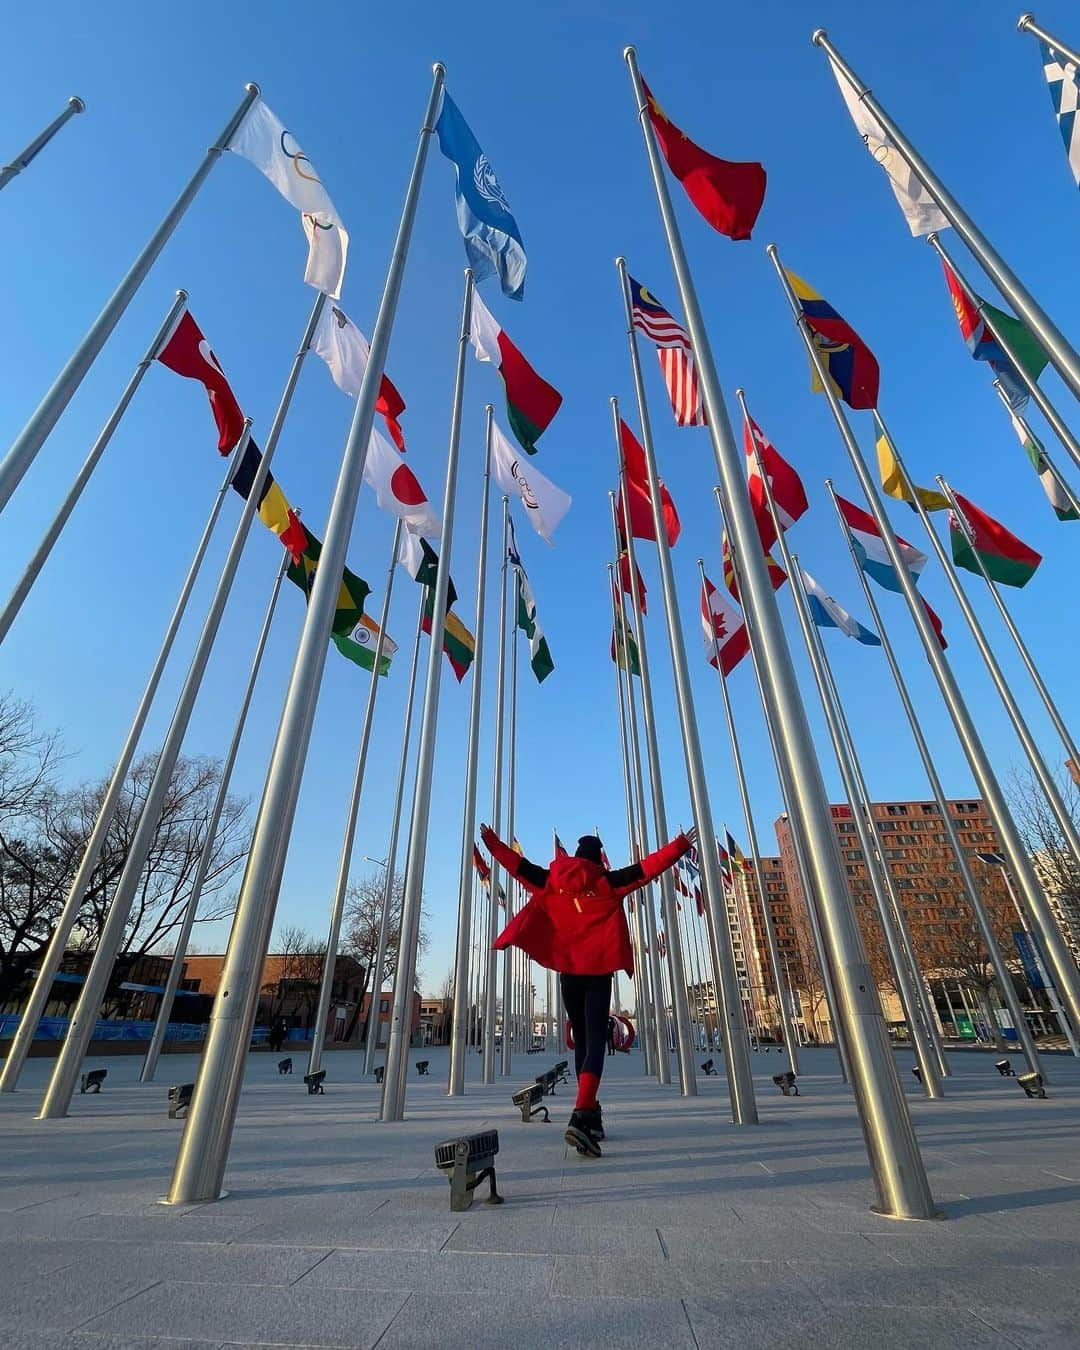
(531, 402)
(873, 555)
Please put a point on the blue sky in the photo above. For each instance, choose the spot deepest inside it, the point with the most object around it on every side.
(547, 94)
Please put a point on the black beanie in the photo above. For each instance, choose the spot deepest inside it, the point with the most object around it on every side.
(590, 847)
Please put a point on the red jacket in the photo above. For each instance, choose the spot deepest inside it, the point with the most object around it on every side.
(574, 923)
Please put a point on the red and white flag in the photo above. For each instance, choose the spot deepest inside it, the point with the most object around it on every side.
(397, 488)
(788, 494)
(188, 353)
(675, 353)
(726, 642)
(637, 492)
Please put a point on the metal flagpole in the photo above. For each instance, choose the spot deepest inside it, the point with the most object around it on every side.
(685, 1060)
(1008, 283)
(985, 778)
(44, 548)
(1041, 400)
(397, 1054)
(176, 967)
(801, 848)
(341, 886)
(9, 171)
(200, 1165)
(496, 814)
(1026, 24)
(508, 996)
(641, 998)
(50, 963)
(371, 1031)
(1033, 670)
(34, 434)
(62, 1084)
(1022, 422)
(854, 788)
(456, 1085)
(974, 899)
(755, 853)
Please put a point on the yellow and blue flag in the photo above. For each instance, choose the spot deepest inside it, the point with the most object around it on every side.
(851, 365)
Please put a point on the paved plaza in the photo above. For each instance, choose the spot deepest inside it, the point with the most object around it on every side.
(688, 1232)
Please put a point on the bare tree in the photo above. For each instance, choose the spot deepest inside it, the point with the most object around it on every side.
(803, 968)
(301, 959)
(1050, 851)
(363, 910)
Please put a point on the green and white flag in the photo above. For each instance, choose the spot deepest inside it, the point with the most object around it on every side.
(1055, 493)
(526, 620)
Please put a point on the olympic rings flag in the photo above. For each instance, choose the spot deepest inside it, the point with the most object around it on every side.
(274, 150)
(545, 504)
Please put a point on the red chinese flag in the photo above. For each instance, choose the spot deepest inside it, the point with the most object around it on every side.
(935, 624)
(637, 492)
(728, 194)
(188, 353)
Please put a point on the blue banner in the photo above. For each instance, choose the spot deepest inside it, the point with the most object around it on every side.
(1028, 958)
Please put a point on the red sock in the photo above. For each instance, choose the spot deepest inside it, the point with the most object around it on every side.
(588, 1084)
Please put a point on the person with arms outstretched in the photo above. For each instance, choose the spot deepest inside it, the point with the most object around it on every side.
(574, 923)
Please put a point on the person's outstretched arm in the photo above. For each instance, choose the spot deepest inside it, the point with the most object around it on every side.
(521, 869)
(627, 879)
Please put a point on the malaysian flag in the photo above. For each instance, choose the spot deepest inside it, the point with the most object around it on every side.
(675, 353)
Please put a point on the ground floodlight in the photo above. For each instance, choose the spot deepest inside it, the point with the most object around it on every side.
(1005, 1068)
(1032, 1083)
(786, 1083)
(468, 1161)
(530, 1103)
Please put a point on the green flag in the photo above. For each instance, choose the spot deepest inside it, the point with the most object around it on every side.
(1055, 493)
(539, 651)
(624, 646)
(353, 633)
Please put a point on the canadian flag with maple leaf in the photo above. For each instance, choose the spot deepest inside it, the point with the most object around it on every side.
(726, 641)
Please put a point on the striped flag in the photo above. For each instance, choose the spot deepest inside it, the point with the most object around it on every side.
(1061, 77)
(675, 353)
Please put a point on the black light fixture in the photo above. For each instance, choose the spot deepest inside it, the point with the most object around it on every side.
(314, 1083)
(1005, 1068)
(1032, 1083)
(786, 1083)
(468, 1161)
(530, 1101)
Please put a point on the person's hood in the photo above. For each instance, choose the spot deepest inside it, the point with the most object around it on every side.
(575, 876)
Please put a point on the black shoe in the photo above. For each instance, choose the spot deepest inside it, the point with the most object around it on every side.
(592, 1119)
(579, 1135)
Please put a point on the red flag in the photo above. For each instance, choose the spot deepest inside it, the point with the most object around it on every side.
(728, 194)
(777, 575)
(637, 491)
(295, 537)
(483, 871)
(725, 631)
(188, 353)
(624, 577)
(788, 494)
(391, 405)
(935, 623)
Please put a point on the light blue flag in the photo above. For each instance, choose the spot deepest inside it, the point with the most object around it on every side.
(826, 613)
(492, 238)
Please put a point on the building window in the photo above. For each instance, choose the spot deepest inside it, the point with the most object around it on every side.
(384, 1005)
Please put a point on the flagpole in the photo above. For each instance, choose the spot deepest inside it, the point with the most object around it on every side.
(1041, 400)
(661, 1029)
(676, 977)
(985, 778)
(54, 954)
(44, 548)
(9, 171)
(176, 963)
(642, 1003)
(799, 845)
(371, 1029)
(1058, 476)
(974, 899)
(397, 1054)
(496, 813)
(341, 885)
(1026, 24)
(1060, 352)
(755, 853)
(200, 1165)
(1033, 670)
(33, 436)
(509, 1008)
(458, 1050)
(869, 841)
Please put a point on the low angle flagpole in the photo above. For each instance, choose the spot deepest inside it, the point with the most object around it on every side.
(458, 1045)
(204, 1148)
(496, 810)
(680, 1004)
(1029, 664)
(755, 853)
(33, 568)
(35, 433)
(179, 952)
(348, 839)
(641, 1000)
(397, 1054)
(371, 1028)
(1026, 24)
(49, 964)
(1006, 988)
(12, 170)
(1023, 424)
(985, 778)
(509, 993)
(1058, 349)
(1039, 397)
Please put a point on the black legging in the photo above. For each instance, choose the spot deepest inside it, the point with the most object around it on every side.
(588, 1004)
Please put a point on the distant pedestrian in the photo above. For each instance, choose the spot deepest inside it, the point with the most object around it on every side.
(611, 1028)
